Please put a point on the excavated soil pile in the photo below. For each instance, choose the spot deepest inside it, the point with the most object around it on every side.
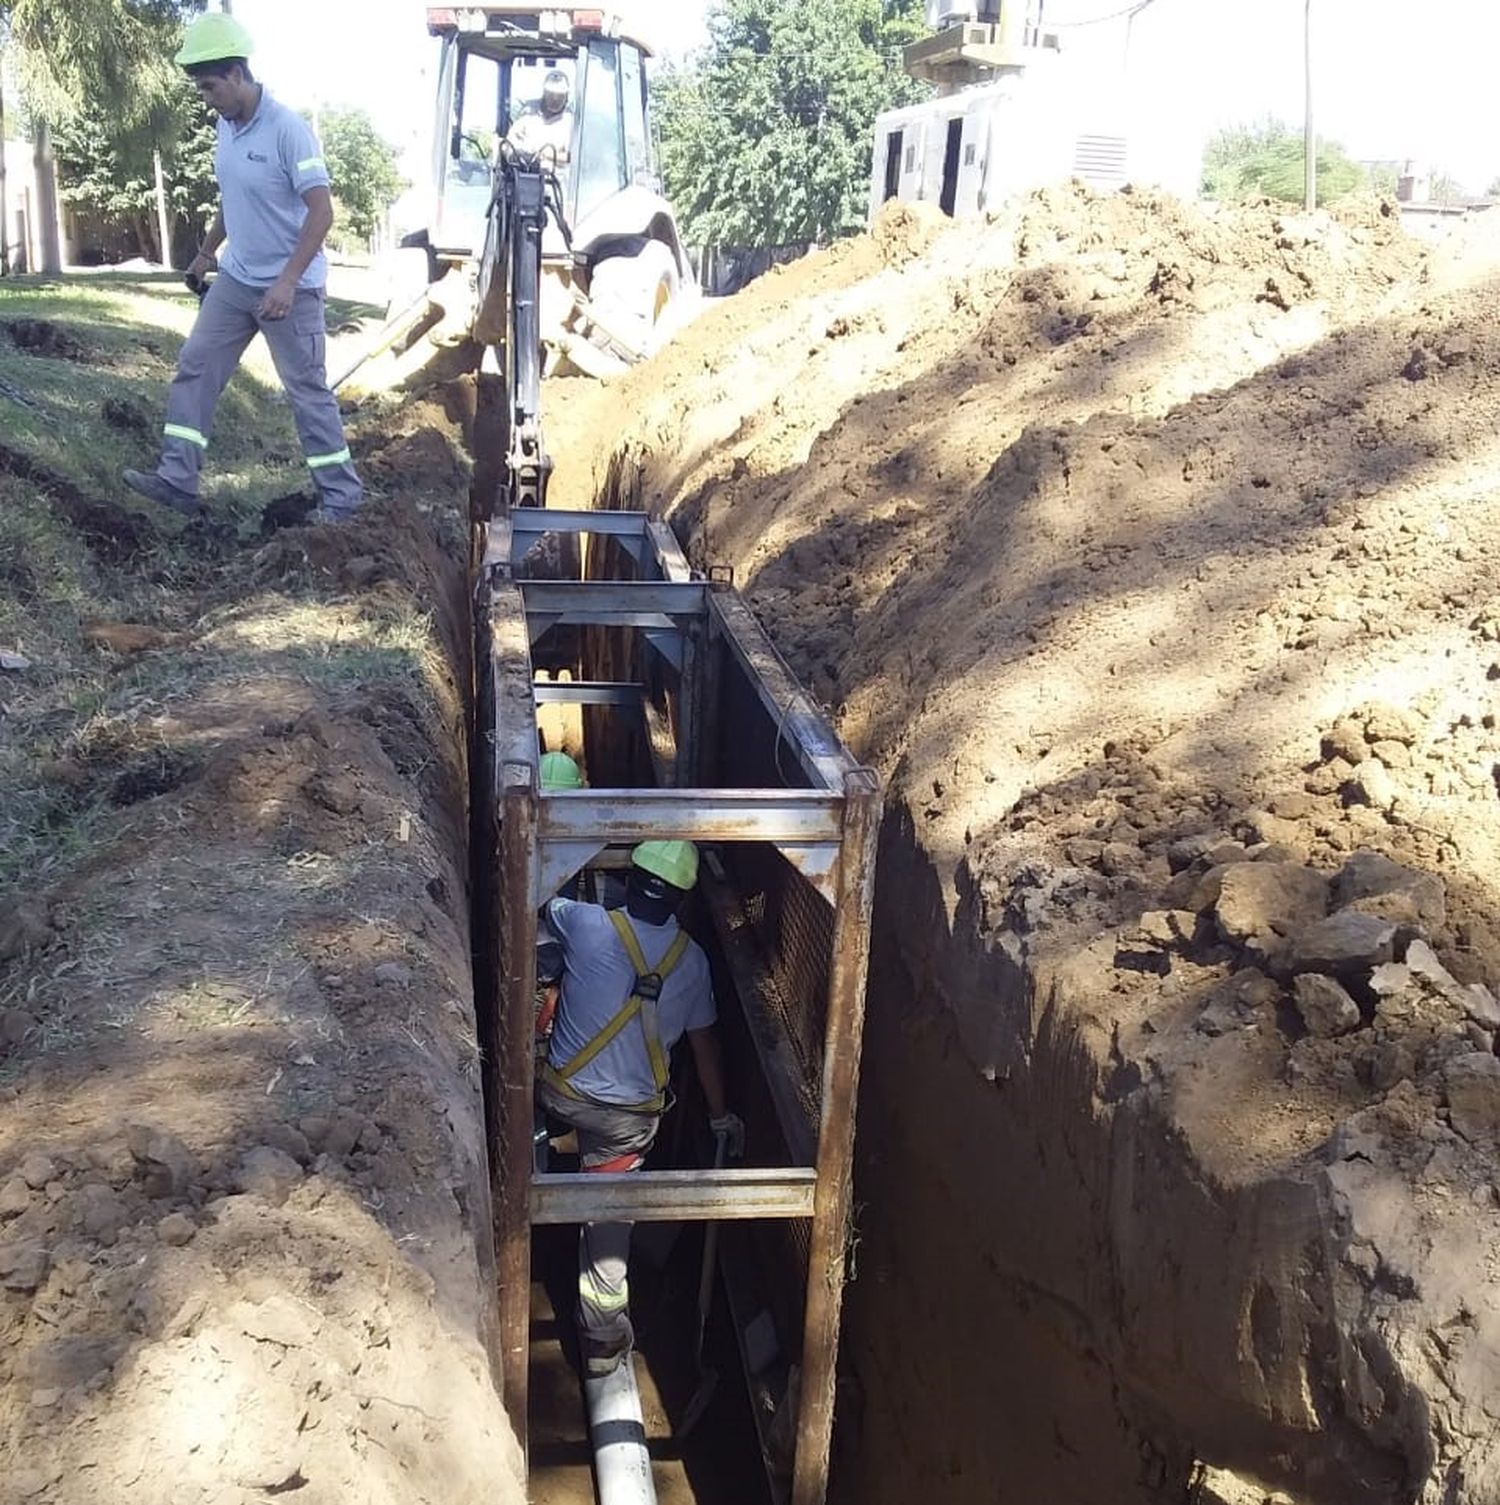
(244, 1242)
(1150, 553)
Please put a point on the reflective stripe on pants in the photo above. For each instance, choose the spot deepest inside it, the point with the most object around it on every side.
(607, 1138)
(227, 322)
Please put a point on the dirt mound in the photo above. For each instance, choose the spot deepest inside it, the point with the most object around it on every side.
(43, 337)
(244, 1204)
(1149, 552)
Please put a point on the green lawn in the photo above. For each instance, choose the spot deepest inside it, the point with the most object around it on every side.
(84, 366)
(92, 402)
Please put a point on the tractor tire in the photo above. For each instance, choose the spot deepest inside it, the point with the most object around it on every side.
(633, 292)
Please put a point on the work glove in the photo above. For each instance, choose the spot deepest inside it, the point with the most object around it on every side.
(730, 1127)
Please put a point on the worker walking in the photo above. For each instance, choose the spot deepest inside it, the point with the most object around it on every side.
(276, 210)
(632, 984)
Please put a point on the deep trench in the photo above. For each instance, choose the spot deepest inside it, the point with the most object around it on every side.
(719, 1461)
(1030, 1261)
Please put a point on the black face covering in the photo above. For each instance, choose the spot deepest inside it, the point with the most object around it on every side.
(649, 899)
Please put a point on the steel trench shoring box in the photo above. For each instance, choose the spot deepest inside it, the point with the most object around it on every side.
(698, 662)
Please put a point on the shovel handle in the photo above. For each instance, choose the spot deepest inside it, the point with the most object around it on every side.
(710, 1257)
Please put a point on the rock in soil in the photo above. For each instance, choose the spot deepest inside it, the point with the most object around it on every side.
(1345, 943)
(1372, 875)
(23, 1266)
(16, 1026)
(1268, 899)
(1472, 1087)
(270, 1173)
(166, 1164)
(24, 927)
(176, 1229)
(15, 1197)
(1325, 1005)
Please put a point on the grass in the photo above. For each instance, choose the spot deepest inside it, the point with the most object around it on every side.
(90, 414)
(77, 744)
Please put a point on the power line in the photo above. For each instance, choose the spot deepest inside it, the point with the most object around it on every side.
(1130, 12)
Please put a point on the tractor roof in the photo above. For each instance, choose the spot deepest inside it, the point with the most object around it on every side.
(520, 28)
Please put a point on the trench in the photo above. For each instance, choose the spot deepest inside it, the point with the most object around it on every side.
(719, 1461)
(1048, 1297)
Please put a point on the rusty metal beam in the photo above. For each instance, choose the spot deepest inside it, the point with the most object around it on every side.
(519, 866)
(823, 758)
(848, 973)
(674, 1196)
(602, 600)
(621, 815)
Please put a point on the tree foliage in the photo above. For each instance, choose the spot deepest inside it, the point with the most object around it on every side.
(1266, 160)
(110, 170)
(364, 167)
(767, 134)
(77, 56)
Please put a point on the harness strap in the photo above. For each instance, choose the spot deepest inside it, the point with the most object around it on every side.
(641, 1004)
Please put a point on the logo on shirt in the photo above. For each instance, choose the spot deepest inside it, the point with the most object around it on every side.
(257, 156)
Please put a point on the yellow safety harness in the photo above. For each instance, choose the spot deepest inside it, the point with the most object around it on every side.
(644, 993)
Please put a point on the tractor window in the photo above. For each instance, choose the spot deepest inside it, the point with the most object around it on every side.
(470, 148)
(601, 146)
(633, 97)
(476, 110)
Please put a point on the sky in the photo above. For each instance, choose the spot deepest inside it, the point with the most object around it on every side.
(1393, 79)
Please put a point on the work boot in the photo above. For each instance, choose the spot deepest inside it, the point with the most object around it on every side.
(163, 493)
(320, 516)
(600, 1360)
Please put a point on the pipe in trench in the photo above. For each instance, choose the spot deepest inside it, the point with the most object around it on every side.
(617, 1432)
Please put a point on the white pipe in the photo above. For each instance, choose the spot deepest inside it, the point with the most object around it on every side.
(617, 1430)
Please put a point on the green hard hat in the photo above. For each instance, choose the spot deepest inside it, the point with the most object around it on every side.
(212, 39)
(675, 862)
(559, 771)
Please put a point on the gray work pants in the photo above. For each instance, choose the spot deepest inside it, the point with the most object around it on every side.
(226, 324)
(608, 1139)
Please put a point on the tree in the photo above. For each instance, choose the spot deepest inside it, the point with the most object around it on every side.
(1266, 160)
(364, 168)
(767, 135)
(110, 56)
(111, 170)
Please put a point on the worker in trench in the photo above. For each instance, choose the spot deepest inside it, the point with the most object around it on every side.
(547, 125)
(632, 983)
(276, 209)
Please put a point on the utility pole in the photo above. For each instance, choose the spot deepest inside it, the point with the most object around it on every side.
(45, 165)
(1309, 138)
(163, 219)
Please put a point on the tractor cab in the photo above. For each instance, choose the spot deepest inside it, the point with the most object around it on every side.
(609, 236)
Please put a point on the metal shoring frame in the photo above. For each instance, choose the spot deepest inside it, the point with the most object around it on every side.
(514, 771)
(828, 1259)
(674, 1196)
(841, 792)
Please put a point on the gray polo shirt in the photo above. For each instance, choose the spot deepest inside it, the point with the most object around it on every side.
(596, 981)
(264, 167)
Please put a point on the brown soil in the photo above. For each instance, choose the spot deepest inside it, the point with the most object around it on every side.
(43, 337)
(1135, 543)
(244, 1208)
